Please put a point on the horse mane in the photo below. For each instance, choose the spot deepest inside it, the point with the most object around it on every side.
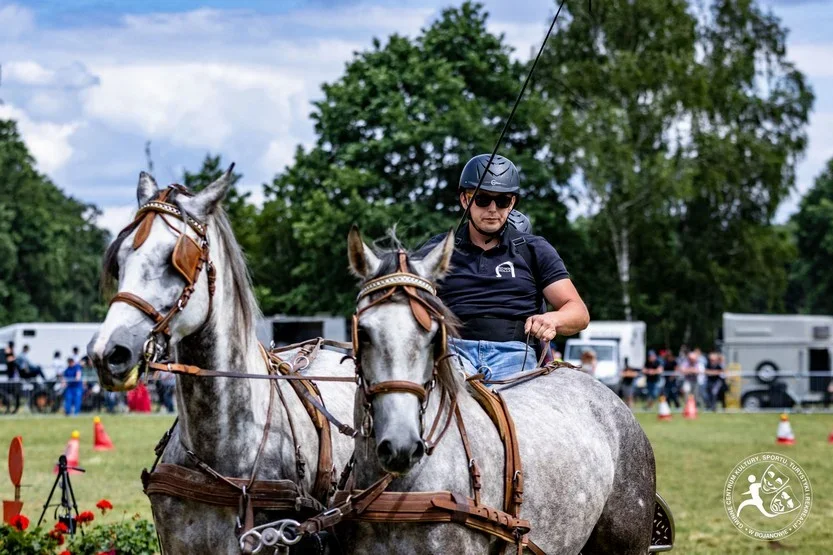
(234, 267)
(389, 263)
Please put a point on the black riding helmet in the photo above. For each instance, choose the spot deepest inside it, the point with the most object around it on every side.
(501, 177)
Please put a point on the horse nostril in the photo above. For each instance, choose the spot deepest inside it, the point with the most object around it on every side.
(419, 450)
(120, 355)
(384, 450)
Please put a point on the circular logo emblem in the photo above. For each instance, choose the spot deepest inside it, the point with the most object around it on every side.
(767, 496)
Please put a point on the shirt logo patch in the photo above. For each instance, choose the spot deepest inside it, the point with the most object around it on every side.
(505, 268)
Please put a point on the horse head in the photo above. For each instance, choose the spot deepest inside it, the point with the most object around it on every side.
(164, 276)
(399, 340)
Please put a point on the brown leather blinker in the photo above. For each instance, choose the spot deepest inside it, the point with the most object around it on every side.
(186, 258)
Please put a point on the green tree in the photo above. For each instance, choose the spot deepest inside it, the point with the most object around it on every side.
(242, 214)
(681, 127)
(813, 224)
(50, 249)
(393, 135)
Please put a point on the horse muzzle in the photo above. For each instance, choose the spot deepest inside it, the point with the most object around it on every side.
(118, 362)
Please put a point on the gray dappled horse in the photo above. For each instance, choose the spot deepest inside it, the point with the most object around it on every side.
(589, 471)
(221, 420)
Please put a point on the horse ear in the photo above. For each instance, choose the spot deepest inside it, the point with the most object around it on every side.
(207, 200)
(146, 188)
(438, 260)
(363, 262)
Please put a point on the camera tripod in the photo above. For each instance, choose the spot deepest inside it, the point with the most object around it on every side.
(67, 495)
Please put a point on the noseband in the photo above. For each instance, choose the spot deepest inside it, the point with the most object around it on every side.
(189, 258)
(424, 313)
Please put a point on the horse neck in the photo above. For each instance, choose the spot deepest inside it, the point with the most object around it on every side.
(222, 420)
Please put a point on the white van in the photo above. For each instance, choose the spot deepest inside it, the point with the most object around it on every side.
(617, 344)
(784, 358)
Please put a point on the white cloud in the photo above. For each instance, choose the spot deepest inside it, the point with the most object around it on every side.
(279, 154)
(375, 19)
(193, 105)
(15, 21)
(48, 142)
(116, 218)
(27, 72)
(31, 73)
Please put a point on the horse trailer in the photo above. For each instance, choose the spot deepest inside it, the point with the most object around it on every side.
(283, 330)
(784, 359)
(44, 339)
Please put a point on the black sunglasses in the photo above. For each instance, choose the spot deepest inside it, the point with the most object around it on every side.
(501, 201)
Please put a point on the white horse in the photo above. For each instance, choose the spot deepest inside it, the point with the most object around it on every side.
(222, 421)
(589, 471)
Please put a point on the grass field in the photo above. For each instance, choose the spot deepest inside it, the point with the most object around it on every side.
(694, 459)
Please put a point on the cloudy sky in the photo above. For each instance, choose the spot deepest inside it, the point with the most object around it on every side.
(90, 81)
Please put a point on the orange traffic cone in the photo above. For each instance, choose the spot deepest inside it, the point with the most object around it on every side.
(101, 441)
(664, 411)
(72, 452)
(785, 432)
(690, 410)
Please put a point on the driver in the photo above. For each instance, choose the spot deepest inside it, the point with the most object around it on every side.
(500, 277)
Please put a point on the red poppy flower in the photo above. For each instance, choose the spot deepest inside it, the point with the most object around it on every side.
(57, 536)
(86, 516)
(64, 552)
(62, 528)
(20, 522)
(104, 505)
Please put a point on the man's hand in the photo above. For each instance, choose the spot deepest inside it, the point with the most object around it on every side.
(543, 326)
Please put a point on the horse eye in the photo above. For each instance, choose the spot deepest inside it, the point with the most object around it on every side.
(364, 337)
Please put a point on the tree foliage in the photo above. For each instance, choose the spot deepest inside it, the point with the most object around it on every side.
(814, 241)
(393, 135)
(682, 125)
(50, 249)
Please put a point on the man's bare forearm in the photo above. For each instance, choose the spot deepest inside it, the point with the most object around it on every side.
(572, 317)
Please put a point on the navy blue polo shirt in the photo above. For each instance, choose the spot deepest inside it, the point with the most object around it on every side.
(498, 282)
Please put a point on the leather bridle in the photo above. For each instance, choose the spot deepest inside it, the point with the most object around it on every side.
(409, 283)
(189, 258)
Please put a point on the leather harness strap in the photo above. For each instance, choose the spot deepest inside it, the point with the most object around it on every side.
(273, 495)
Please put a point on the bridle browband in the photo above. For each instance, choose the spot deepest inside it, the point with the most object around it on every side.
(189, 258)
(407, 282)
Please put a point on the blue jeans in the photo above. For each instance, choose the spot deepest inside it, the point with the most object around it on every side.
(72, 400)
(496, 359)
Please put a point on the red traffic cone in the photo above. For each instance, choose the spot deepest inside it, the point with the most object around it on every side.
(690, 410)
(101, 441)
(663, 411)
(72, 452)
(785, 435)
(830, 438)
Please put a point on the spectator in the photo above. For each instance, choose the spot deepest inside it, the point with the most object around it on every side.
(26, 369)
(628, 375)
(557, 356)
(138, 399)
(165, 387)
(690, 370)
(74, 387)
(588, 362)
(715, 381)
(672, 384)
(11, 364)
(57, 366)
(652, 371)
